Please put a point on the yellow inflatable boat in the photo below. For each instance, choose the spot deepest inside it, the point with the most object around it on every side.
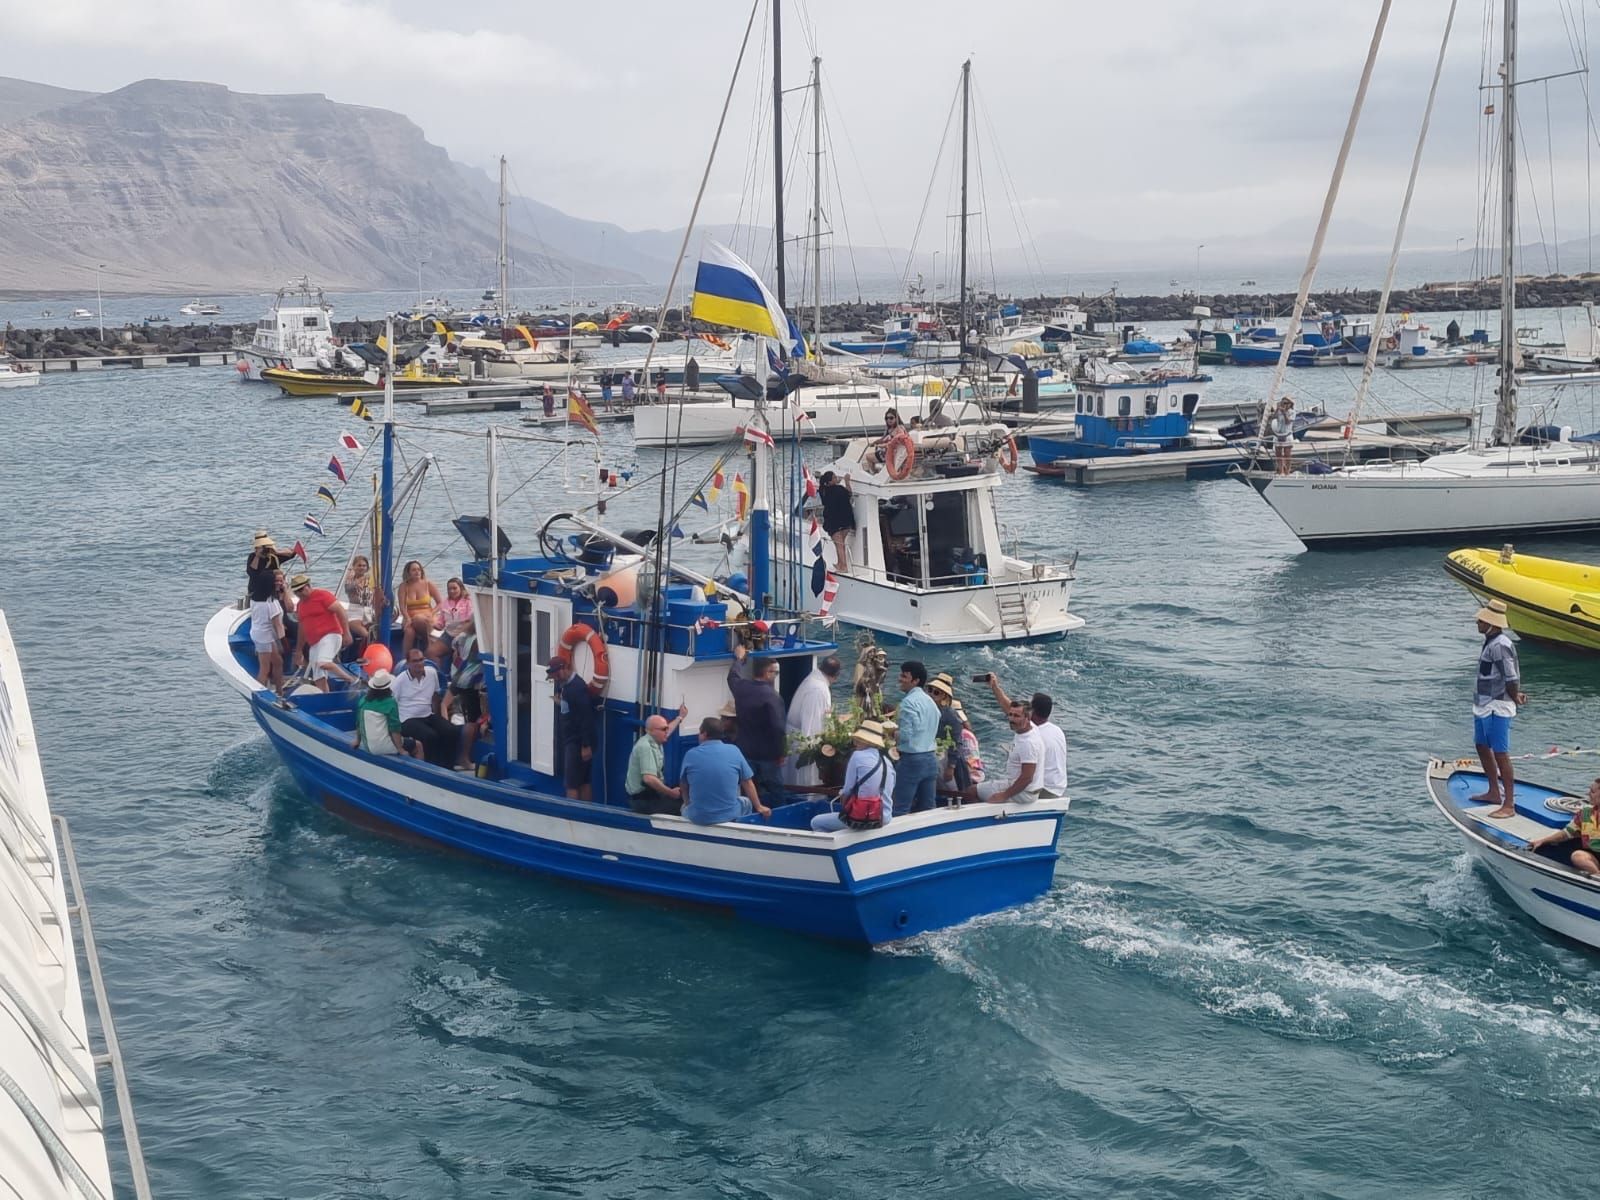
(1547, 599)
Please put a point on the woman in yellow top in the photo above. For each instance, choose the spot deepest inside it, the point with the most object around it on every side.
(1585, 826)
(419, 600)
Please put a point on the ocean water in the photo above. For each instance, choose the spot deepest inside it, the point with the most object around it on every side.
(1265, 968)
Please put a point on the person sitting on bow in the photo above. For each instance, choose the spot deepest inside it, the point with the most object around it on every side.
(1585, 828)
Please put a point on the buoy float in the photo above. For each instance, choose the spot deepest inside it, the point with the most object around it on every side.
(908, 455)
(1008, 456)
(578, 634)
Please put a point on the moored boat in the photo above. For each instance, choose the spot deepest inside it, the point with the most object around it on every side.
(295, 333)
(1548, 599)
(337, 383)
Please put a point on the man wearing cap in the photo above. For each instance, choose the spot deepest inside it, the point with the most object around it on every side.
(416, 691)
(1494, 703)
(646, 781)
(378, 720)
(324, 631)
(869, 773)
(917, 778)
(758, 708)
(808, 711)
(577, 731)
(716, 782)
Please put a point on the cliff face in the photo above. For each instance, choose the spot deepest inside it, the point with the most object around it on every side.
(191, 187)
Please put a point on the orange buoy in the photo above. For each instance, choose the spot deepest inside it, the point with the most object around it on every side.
(1008, 456)
(899, 469)
(578, 634)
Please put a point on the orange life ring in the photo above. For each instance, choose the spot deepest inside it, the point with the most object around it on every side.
(908, 459)
(1008, 456)
(578, 633)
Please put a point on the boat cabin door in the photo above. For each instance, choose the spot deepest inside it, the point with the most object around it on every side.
(541, 620)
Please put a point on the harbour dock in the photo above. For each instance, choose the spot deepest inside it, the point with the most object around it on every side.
(130, 362)
(1214, 464)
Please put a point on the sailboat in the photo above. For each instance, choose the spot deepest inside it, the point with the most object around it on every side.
(1533, 480)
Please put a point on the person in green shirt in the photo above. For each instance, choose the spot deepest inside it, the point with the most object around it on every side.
(646, 784)
(378, 720)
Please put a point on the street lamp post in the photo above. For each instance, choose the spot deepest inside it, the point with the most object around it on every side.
(421, 262)
(1197, 250)
(99, 307)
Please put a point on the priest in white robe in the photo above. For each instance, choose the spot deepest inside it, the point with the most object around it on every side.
(808, 709)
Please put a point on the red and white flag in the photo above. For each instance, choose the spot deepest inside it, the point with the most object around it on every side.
(811, 482)
(348, 441)
(754, 436)
(830, 589)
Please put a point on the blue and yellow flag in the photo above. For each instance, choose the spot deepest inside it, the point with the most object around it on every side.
(728, 292)
(326, 493)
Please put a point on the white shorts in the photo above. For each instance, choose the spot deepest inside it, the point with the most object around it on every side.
(989, 789)
(264, 647)
(325, 650)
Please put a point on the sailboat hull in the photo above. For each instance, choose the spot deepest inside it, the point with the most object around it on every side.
(1412, 502)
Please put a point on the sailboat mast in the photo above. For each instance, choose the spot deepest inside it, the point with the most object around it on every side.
(385, 524)
(504, 263)
(966, 97)
(777, 145)
(816, 199)
(1505, 417)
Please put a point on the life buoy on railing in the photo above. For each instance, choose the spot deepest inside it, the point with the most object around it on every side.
(899, 469)
(577, 634)
(1008, 456)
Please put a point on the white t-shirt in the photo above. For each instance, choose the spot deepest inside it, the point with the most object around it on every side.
(413, 695)
(262, 614)
(1053, 768)
(1028, 748)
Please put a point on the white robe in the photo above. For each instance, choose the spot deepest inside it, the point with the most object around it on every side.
(813, 701)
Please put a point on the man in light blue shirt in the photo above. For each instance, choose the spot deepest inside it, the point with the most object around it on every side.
(917, 777)
(713, 777)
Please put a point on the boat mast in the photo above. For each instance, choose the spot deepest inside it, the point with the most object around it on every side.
(1505, 417)
(961, 309)
(816, 199)
(385, 526)
(503, 295)
(777, 145)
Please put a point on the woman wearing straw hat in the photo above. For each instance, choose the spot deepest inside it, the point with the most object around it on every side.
(1495, 697)
(868, 776)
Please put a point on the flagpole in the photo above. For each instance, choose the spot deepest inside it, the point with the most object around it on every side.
(385, 522)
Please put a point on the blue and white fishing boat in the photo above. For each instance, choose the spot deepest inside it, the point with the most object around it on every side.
(1119, 415)
(1327, 337)
(1540, 882)
(648, 633)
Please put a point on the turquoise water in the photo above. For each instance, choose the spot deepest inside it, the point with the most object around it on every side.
(1265, 968)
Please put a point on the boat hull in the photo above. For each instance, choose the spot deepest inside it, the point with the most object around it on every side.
(920, 873)
(838, 416)
(1420, 502)
(19, 379)
(1546, 599)
(1558, 897)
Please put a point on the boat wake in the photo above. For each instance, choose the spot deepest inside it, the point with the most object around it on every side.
(1406, 1015)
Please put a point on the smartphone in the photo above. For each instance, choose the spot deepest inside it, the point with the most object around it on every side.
(986, 677)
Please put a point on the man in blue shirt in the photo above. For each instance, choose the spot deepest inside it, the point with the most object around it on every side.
(577, 730)
(917, 776)
(713, 777)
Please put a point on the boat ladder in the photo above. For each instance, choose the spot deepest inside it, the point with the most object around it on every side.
(111, 1056)
(1013, 611)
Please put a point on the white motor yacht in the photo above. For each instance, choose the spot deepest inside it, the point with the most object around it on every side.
(296, 333)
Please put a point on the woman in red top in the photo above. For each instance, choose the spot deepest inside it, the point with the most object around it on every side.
(324, 631)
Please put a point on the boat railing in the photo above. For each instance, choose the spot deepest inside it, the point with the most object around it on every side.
(111, 1056)
(978, 579)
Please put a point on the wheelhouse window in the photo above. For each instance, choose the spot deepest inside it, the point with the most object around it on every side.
(1124, 406)
(948, 518)
(1152, 405)
(902, 540)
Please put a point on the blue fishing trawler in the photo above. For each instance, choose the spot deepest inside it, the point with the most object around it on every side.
(649, 634)
(1123, 414)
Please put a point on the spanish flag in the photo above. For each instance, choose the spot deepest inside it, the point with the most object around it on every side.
(741, 497)
(715, 490)
(728, 292)
(522, 332)
(578, 410)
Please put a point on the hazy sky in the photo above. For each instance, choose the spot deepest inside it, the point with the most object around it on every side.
(1162, 121)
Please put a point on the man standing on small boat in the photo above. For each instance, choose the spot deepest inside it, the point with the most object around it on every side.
(1494, 703)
